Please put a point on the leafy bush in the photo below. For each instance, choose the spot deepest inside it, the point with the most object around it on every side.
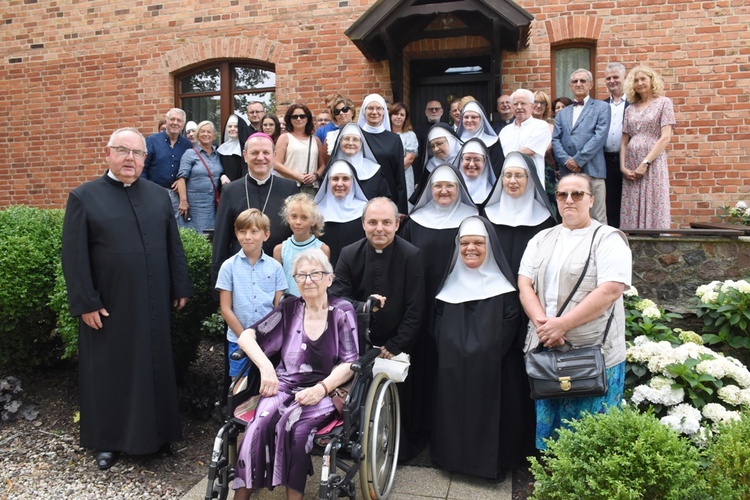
(644, 317)
(728, 470)
(621, 454)
(738, 214)
(30, 240)
(725, 309)
(187, 325)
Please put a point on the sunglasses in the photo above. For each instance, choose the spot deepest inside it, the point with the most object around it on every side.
(343, 109)
(434, 110)
(576, 195)
(298, 117)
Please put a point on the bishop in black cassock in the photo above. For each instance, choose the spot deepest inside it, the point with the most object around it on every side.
(124, 264)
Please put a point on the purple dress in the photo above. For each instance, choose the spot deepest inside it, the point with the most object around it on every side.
(276, 448)
(645, 202)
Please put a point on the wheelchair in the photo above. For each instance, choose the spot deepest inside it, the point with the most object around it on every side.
(363, 439)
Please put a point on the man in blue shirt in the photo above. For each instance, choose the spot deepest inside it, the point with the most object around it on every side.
(165, 150)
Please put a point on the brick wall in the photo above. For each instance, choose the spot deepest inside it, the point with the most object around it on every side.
(71, 71)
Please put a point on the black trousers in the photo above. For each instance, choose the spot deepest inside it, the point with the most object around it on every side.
(614, 188)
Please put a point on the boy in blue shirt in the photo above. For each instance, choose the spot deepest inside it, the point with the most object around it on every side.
(250, 283)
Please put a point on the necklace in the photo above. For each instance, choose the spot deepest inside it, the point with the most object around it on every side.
(247, 194)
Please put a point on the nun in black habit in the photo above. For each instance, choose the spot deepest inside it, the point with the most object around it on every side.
(474, 124)
(353, 147)
(474, 164)
(442, 146)
(432, 227)
(480, 427)
(341, 201)
(230, 152)
(386, 146)
(518, 207)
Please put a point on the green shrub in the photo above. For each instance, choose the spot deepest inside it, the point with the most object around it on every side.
(728, 472)
(622, 454)
(187, 325)
(30, 241)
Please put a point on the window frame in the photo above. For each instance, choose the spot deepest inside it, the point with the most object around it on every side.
(590, 45)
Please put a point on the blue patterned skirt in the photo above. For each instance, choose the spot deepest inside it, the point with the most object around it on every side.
(550, 413)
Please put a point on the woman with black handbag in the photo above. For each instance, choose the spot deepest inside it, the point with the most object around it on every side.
(570, 282)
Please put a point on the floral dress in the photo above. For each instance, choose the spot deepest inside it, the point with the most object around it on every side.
(645, 201)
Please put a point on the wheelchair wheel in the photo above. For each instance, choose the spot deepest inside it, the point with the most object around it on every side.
(380, 438)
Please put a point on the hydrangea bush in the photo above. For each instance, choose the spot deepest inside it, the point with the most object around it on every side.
(644, 317)
(725, 309)
(738, 214)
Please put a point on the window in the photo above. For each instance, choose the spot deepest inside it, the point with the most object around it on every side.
(565, 60)
(213, 92)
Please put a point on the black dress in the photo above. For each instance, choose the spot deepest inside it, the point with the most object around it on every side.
(389, 153)
(340, 234)
(122, 251)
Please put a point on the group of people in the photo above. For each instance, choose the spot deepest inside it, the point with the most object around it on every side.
(464, 253)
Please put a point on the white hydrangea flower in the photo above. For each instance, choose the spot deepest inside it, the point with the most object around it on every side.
(712, 367)
(644, 304)
(689, 336)
(743, 286)
(662, 395)
(730, 394)
(652, 312)
(741, 204)
(659, 382)
(704, 289)
(714, 412)
(709, 297)
(641, 340)
(683, 418)
(631, 292)
(728, 285)
(745, 397)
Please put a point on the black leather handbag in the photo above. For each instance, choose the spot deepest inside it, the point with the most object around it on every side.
(567, 371)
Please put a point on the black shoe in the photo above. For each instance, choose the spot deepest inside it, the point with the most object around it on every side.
(106, 459)
(164, 451)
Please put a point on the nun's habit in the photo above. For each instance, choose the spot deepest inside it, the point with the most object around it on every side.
(368, 170)
(517, 220)
(430, 160)
(388, 150)
(343, 216)
(481, 424)
(230, 151)
(486, 133)
(481, 186)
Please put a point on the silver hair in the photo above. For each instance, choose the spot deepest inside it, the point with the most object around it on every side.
(126, 129)
(381, 198)
(620, 68)
(177, 110)
(313, 255)
(583, 70)
(523, 93)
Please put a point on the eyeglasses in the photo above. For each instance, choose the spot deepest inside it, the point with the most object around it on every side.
(540, 102)
(434, 110)
(298, 117)
(510, 176)
(343, 109)
(579, 80)
(314, 276)
(475, 161)
(435, 144)
(255, 112)
(122, 151)
(576, 195)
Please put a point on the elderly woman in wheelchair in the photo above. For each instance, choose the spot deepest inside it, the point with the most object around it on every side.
(315, 339)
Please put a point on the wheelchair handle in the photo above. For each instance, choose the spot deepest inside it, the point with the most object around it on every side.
(238, 355)
(365, 360)
(371, 303)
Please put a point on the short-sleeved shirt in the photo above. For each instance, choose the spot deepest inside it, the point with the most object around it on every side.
(253, 287)
(163, 160)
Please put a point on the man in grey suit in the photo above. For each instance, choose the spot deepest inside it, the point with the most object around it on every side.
(578, 140)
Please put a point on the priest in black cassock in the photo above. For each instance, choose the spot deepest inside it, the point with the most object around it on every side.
(480, 426)
(124, 265)
(389, 267)
(257, 189)
(386, 146)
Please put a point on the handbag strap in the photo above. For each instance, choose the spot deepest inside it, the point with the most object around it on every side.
(309, 148)
(583, 273)
(210, 175)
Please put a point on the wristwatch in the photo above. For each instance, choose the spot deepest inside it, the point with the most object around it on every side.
(648, 163)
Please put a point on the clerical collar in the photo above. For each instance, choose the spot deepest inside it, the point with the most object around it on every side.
(377, 250)
(259, 182)
(112, 176)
